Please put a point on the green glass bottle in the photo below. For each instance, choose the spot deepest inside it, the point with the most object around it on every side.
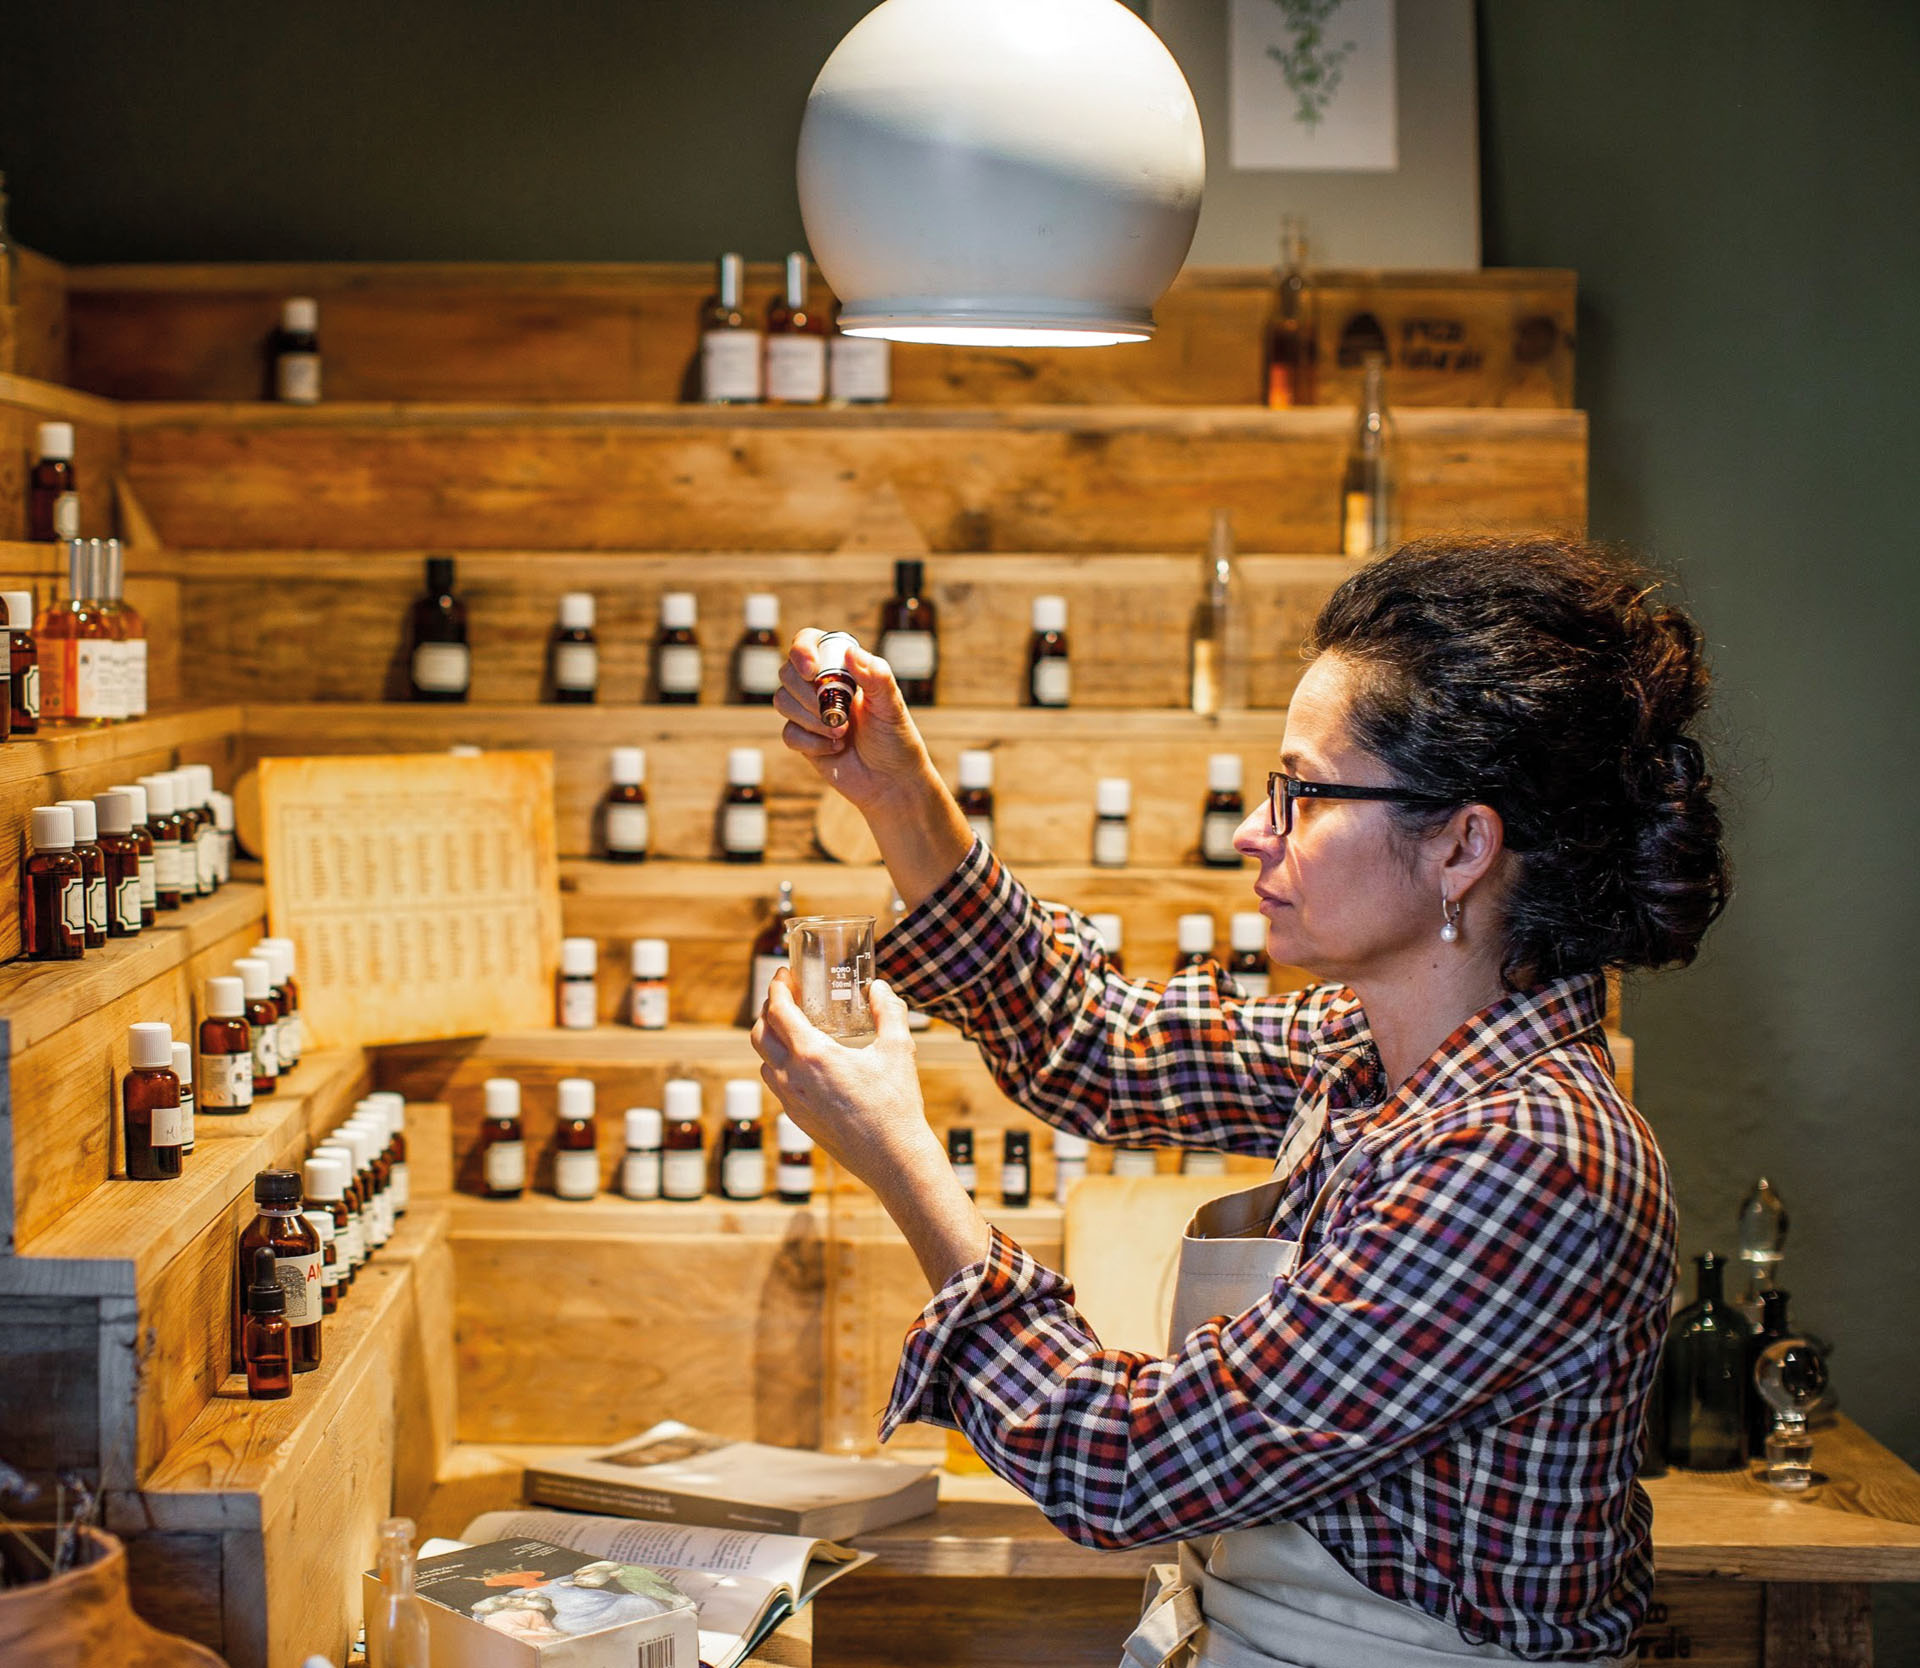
(1708, 1377)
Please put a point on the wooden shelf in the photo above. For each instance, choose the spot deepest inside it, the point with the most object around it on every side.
(542, 1217)
(59, 750)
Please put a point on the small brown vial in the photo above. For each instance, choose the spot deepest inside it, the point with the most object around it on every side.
(266, 1351)
(743, 1143)
(120, 853)
(53, 500)
(282, 1229)
(1049, 674)
(576, 1157)
(263, 1023)
(53, 897)
(143, 838)
(93, 870)
(683, 1159)
(170, 857)
(676, 651)
(833, 684)
(503, 1141)
(152, 1126)
(23, 663)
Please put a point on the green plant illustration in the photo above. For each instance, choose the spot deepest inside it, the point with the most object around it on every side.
(1311, 65)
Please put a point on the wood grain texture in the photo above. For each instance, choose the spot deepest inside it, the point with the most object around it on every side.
(26, 403)
(496, 332)
(38, 325)
(1128, 619)
(1825, 1626)
(978, 1622)
(1086, 479)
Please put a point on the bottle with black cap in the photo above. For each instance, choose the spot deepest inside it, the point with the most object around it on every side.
(282, 1228)
(910, 635)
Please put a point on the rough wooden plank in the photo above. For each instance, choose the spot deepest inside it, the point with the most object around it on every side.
(25, 403)
(982, 478)
(49, 1384)
(1128, 619)
(977, 1622)
(38, 326)
(175, 1584)
(1824, 1626)
(492, 332)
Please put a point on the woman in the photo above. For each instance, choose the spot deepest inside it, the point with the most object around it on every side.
(1399, 1421)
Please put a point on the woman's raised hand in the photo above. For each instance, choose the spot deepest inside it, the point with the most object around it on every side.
(875, 758)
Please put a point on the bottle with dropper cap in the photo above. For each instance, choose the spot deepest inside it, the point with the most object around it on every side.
(833, 685)
(743, 818)
(266, 1345)
(293, 1035)
(1049, 672)
(1194, 937)
(280, 1226)
(1224, 811)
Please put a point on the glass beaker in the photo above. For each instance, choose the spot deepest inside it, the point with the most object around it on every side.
(830, 959)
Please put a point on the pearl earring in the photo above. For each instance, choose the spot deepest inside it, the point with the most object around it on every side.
(1449, 920)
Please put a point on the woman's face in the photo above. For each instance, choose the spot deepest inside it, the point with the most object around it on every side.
(1338, 894)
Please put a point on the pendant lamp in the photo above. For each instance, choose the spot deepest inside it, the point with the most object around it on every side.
(1000, 173)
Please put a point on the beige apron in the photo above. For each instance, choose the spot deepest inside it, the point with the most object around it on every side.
(1271, 1596)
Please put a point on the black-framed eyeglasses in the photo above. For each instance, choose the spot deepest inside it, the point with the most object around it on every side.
(1283, 790)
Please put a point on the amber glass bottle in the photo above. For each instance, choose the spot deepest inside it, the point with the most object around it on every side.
(143, 840)
(281, 1228)
(743, 816)
(910, 635)
(624, 829)
(1194, 936)
(23, 663)
(743, 1143)
(266, 1344)
(503, 1141)
(440, 665)
(757, 657)
(573, 657)
(683, 1156)
(976, 793)
(576, 1156)
(150, 1103)
(53, 891)
(120, 854)
(169, 858)
(1221, 816)
(263, 1023)
(93, 870)
(1049, 672)
(676, 651)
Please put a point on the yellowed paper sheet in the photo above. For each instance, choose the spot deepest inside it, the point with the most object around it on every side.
(421, 890)
(1123, 1251)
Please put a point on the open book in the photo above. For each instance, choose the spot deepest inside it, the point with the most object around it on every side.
(743, 1585)
(677, 1474)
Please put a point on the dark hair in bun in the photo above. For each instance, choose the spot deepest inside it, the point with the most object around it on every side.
(1541, 677)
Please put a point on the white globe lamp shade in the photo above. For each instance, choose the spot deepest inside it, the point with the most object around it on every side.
(1000, 173)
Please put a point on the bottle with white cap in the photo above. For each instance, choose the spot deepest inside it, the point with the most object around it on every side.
(223, 830)
(263, 1023)
(206, 837)
(368, 1141)
(287, 993)
(647, 995)
(143, 840)
(758, 657)
(127, 627)
(355, 1242)
(624, 828)
(730, 345)
(152, 1127)
(23, 663)
(53, 495)
(743, 1143)
(296, 352)
(503, 1142)
(1252, 972)
(793, 1173)
(574, 658)
(321, 1179)
(976, 793)
(395, 1107)
(1112, 935)
(1069, 1163)
(183, 1072)
(1049, 674)
(640, 1169)
(226, 1048)
(196, 879)
(281, 1227)
(796, 367)
(1199, 1161)
(1223, 813)
(286, 1041)
(676, 651)
(53, 890)
(1194, 936)
(1113, 799)
(576, 1156)
(120, 857)
(93, 870)
(743, 818)
(163, 823)
(579, 1005)
(683, 1159)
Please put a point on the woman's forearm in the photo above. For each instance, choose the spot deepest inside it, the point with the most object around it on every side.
(921, 833)
(931, 1209)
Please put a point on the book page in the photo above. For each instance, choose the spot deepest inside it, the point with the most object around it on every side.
(421, 890)
(680, 1459)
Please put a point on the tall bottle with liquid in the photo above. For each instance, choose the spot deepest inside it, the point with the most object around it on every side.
(1217, 660)
(77, 659)
(1291, 346)
(1369, 494)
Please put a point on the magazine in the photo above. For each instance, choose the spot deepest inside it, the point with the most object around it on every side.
(742, 1585)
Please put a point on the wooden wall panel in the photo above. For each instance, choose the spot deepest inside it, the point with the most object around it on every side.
(623, 333)
(1128, 619)
(33, 331)
(1031, 478)
(26, 403)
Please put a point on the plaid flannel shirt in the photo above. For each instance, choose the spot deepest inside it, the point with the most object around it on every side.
(1449, 1394)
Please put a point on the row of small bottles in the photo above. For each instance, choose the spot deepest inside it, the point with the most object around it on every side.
(249, 1040)
(108, 867)
(666, 1147)
(798, 356)
(316, 1229)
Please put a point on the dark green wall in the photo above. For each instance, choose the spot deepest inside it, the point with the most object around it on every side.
(1734, 182)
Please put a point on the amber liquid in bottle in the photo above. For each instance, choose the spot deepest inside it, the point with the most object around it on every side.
(266, 1344)
(150, 1100)
(665, 690)
(280, 1228)
(573, 1135)
(440, 665)
(743, 1145)
(1044, 687)
(120, 858)
(506, 1133)
(1216, 837)
(50, 483)
(263, 1025)
(683, 1137)
(742, 793)
(167, 851)
(148, 866)
(53, 907)
(1291, 348)
(93, 881)
(23, 665)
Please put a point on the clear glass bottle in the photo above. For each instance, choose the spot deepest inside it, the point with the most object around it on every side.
(647, 993)
(153, 1128)
(859, 368)
(127, 627)
(1292, 347)
(743, 817)
(93, 871)
(796, 351)
(23, 664)
(683, 1159)
(676, 651)
(769, 951)
(1247, 936)
(1135, 1162)
(624, 825)
(910, 635)
(1194, 936)
(758, 656)
(976, 793)
(730, 347)
(143, 840)
(1705, 1366)
(1370, 508)
(53, 497)
(1217, 657)
(163, 823)
(1113, 800)
(440, 661)
(576, 1155)
(1773, 1326)
(1790, 1377)
(503, 1142)
(1049, 672)
(640, 1169)
(1225, 809)
(53, 890)
(1763, 1246)
(573, 658)
(397, 1631)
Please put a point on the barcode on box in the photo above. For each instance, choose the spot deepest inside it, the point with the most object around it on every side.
(656, 1653)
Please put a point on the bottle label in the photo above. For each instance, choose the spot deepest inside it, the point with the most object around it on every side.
(576, 666)
(797, 368)
(322, 1221)
(917, 1021)
(793, 1178)
(73, 907)
(1217, 829)
(134, 670)
(226, 1081)
(30, 691)
(743, 1175)
(353, 1241)
(205, 860)
(126, 902)
(576, 1175)
(506, 1166)
(1110, 843)
(1013, 1182)
(442, 668)
(982, 828)
(677, 668)
(1066, 1171)
(627, 828)
(1052, 681)
(382, 1219)
(113, 679)
(911, 654)
(166, 865)
(293, 1038)
(1357, 527)
(683, 1175)
(149, 879)
(296, 379)
(577, 1004)
(968, 1175)
(648, 1005)
(66, 516)
(169, 1127)
(93, 679)
(764, 968)
(266, 1050)
(743, 828)
(730, 365)
(186, 1116)
(1256, 985)
(859, 368)
(402, 1187)
(300, 1277)
(758, 668)
(97, 904)
(640, 1175)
